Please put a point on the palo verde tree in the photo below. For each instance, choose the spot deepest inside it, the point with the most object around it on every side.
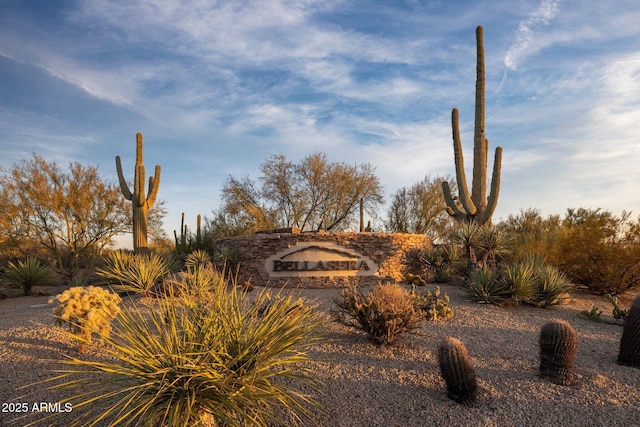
(140, 202)
(419, 209)
(73, 215)
(474, 206)
(313, 194)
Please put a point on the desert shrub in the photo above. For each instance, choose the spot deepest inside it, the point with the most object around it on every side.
(211, 359)
(135, 273)
(457, 371)
(384, 313)
(28, 273)
(599, 250)
(484, 285)
(529, 233)
(85, 311)
(433, 304)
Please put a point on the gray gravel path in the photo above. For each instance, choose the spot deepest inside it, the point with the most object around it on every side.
(398, 385)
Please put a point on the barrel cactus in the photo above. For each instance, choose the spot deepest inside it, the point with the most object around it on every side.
(456, 370)
(630, 341)
(558, 345)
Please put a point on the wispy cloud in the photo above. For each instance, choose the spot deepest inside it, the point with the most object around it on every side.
(525, 40)
(216, 87)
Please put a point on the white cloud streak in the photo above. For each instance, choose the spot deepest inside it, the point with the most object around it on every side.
(525, 43)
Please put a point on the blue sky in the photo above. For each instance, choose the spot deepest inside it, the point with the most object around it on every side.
(216, 87)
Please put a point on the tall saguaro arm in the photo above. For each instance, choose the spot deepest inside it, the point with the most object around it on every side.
(474, 206)
(140, 202)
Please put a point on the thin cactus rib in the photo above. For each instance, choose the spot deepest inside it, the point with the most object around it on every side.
(474, 206)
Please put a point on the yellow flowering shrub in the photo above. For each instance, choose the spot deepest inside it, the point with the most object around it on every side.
(86, 310)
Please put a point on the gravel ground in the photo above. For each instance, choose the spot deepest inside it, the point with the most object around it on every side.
(398, 385)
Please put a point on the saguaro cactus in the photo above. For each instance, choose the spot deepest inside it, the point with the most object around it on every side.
(475, 207)
(558, 345)
(457, 371)
(630, 342)
(140, 202)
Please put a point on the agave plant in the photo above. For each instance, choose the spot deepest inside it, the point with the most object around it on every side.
(28, 273)
(134, 273)
(553, 286)
(197, 259)
(484, 285)
(521, 281)
(190, 360)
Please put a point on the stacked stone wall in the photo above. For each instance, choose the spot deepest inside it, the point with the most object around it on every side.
(394, 254)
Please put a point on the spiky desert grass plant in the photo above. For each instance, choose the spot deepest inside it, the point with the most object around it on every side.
(28, 273)
(384, 313)
(484, 285)
(137, 273)
(86, 311)
(521, 281)
(553, 287)
(195, 359)
(198, 259)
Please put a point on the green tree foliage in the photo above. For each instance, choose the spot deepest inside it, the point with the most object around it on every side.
(244, 207)
(312, 194)
(593, 247)
(530, 233)
(73, 214)
(420, 209)
(599, 250)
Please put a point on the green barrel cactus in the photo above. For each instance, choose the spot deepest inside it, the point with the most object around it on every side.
(630, 342)
(140, 202)
(558, 346)
(456, 370)
(475, 206)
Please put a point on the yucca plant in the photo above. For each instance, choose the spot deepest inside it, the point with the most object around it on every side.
(440, 260)
(198, 259)
(213, 360)
(553, 286)
(521, 281)
(484, 285)
(384, 313)
(134, 273)
(493, 245)
(28, 273)
(469, 236)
